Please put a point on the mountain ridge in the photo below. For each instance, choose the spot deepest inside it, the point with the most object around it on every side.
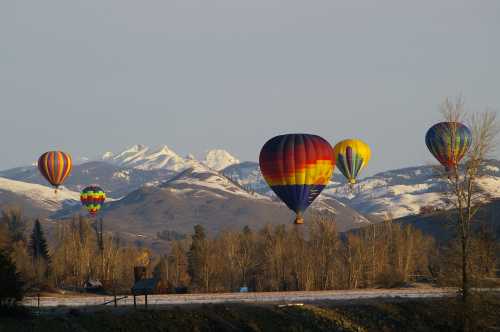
(395, 193)
(143, 157)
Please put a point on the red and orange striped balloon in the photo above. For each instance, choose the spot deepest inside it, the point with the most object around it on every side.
(55, 166)
(297, 167)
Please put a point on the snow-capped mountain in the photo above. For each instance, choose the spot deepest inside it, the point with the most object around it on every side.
(395, 193)
(202, 177)
(201, 195)
(197, 195)
(35, 199)
(219, 159)
(248, 175)
(408, 191)
(115, 180)
(145, 158)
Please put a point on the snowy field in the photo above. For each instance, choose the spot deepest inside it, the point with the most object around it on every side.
(270, 297)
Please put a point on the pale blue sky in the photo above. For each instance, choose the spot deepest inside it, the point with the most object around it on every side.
(97, 75)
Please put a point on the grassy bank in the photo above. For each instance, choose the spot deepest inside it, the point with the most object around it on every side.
(421, 315)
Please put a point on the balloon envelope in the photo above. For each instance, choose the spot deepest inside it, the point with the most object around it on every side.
(93, 198)
(351, 156)
(297, 167)
(448, 142)
(55, 166)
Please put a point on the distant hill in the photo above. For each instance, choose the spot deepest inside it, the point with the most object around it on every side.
(36, 200)
(440, 224)
(203, 196)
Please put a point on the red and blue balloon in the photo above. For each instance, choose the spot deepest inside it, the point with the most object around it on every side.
(297, 167)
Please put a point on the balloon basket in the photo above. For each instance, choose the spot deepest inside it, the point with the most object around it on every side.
(299, 221)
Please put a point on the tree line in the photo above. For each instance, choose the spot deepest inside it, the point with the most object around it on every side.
(274, 258)
(78, 253)
(291, 258)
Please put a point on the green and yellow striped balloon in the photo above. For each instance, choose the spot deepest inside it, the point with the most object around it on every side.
(93, 198)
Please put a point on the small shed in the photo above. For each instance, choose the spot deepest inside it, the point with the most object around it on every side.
(93, 286)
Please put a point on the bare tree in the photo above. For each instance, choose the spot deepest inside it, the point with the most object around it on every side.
(464, 191)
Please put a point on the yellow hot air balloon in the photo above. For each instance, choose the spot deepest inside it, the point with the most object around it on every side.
(351, 156)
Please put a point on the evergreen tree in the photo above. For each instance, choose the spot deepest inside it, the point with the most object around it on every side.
(11, 288)
(38, 248)
(196, 253)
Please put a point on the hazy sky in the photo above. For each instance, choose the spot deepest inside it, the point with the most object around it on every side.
(96, 75)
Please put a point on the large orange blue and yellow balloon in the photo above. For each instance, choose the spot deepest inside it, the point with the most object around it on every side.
(93, 198)
(351, 156)
(55, 166)
(297, 167)
(448, 142)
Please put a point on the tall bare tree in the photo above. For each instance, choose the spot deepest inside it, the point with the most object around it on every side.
(464, 190)
(466, 194)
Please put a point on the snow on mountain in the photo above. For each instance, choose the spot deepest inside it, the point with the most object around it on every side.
(117, 181)
(397, 193)
(197, 195)
(248, 175)
(219, 159)
(130, 155)
(201, 195)
(40, 197)
(161, 158)
(201, 177)
(190, 156)
(407, 191)
(144, 158)
(107, 155)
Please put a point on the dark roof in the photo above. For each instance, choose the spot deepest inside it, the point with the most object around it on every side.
(145, 286)
(93, 283)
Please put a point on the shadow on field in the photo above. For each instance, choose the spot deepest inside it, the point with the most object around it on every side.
(396, 315)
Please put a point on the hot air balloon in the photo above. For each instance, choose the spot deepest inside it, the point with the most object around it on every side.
(55, 166)
(351, 156)
(448, 142)
(297, 167)
(93, 198)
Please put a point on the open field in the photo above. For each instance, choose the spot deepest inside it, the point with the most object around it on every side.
(268, 297)
(396, 311)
